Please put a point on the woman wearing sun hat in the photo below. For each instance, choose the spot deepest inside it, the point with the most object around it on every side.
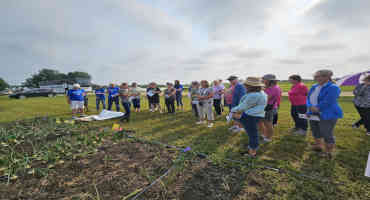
(273, 92)
(251, 110)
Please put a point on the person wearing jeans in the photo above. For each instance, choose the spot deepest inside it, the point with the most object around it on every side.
(297, 97)
(322, 101)
(100, 97)
(250, 111)
(113, 96)
(238, 91)
(194, 95)
(218, 91)
(170, 95)
(124, 93)
(179, 88)
(362, 104)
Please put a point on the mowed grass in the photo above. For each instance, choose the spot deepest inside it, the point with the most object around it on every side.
(341, 178)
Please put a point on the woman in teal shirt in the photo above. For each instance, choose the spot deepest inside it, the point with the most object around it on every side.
(250, 110)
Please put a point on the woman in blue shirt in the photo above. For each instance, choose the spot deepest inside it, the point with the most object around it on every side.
(113, 96)
(250, 111)
(75, 98)
(100, 97)
(179, 88)
(322, 101)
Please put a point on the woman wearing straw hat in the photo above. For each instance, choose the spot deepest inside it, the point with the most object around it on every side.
(250, 111)
(75, 98)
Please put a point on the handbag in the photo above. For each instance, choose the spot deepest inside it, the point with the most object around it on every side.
(269, 107)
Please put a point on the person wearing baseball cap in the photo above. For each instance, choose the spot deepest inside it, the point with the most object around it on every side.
(238, 92)
(250, 111)
(273, 92)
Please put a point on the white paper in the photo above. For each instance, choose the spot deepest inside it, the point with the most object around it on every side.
(309, 117)
(367, 171)
(106, 114)
(150, 93)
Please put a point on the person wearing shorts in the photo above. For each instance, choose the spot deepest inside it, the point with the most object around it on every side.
(153, 93)
(75, 98)
(273, 92)
(135, 97)
(322, 101)
(205, 104)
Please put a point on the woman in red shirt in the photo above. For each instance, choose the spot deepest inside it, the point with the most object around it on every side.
(297, 97)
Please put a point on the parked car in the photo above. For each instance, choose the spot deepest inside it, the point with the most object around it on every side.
(33, 93)
(4, 92)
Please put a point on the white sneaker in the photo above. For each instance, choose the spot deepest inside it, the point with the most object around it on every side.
(200, 122)
(232, 128)
(368, 133)
(210, 125)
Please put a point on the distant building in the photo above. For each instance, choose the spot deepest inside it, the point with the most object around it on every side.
(62, 86)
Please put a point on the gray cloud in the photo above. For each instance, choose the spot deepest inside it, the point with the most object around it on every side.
(353, 13)
(365, 58)
(252, 53)
(313, 48)
(291, 61)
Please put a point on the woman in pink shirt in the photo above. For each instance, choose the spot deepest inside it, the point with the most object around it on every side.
(273, 92)
(297, 97)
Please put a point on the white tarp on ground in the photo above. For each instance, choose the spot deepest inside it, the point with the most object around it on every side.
(106, 114)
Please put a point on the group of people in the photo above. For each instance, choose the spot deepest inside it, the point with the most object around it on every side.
(253, 105)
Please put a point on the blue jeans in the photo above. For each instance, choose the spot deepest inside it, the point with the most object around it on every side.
(110, 102)
(179, 100)
(98, 100)
(127, 107)
(250, 124)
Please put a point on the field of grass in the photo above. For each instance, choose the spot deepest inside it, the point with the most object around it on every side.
(95, 160)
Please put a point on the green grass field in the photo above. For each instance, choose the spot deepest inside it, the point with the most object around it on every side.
(341, 178)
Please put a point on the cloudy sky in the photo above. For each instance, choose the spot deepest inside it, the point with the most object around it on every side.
(144, 40)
